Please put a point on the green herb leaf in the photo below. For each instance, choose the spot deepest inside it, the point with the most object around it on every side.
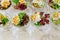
(38, 24)
(57, 22)
(16, 1)
(4, 21)
(26, 3)
(21, 15)
(56, 6)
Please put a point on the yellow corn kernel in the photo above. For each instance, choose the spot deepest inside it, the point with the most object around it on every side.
(6, 0)
(35, 5)
(4, 17)
(56, 15)
(1, 16)
(22, 1)
(59, 1)
(5, 4)
(16, 20)
(37, 0)
(34, 17)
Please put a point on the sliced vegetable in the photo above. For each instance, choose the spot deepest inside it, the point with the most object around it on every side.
(39, 18)
(21, 20)
(38, 3)
(54, 4)
(4, 21)
(38, 24)
(16, 1)
(21, 15)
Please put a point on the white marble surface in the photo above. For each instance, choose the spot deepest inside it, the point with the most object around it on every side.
(30, 32)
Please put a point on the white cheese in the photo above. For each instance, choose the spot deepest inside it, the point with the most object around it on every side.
(35, 1)
(37, 18)
(39, 2)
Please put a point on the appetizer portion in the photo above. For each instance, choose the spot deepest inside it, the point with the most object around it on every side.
(38, 3)
(21, 19)
(40, 19)
(4, 4)
(54, 4)
(56, 18)
(3, 19)
(20, 4)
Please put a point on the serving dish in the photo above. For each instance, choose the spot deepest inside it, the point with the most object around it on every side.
(5, 4)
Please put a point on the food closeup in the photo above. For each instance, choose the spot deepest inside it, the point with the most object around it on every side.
(56, 18)
(3, 19)
(4, 4)
(54, 4)
(20, 4)
(21, 19)
(40, 19)
(38, 3)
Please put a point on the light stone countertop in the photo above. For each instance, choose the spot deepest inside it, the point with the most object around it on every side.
(30, 32)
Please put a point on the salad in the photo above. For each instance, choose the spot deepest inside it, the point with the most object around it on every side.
(20, 4)
(38, 3)
(39, 18)
(56, 18)
(3, 19)
(21, 19)
(4, 4)
(54, 4)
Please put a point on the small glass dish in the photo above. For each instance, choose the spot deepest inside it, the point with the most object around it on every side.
(40, 20)
(5, 4)
(4, 20)
(55, 4)
(55, 18)
(20, 5)
(37, 4)
(17, 22)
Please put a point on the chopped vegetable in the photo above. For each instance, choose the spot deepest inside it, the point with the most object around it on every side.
(21, 20)
(38, 3)
(56, 18)
(39, 18)
(16, 20)
(20, 4)
(54, 4)
(38, 24)
(21, 15)
(16, 1)
(4, 21)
